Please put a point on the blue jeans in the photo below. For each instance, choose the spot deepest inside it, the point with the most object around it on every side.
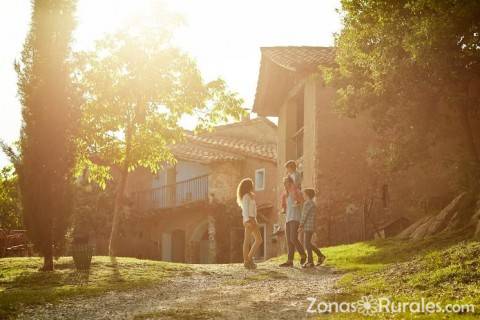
(291, 233)
(307, 239)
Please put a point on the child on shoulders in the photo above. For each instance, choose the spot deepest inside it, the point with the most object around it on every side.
(296, 186)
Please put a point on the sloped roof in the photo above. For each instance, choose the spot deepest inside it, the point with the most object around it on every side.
(281, 68)
(299, 58)
(220, 146)
(266, 151)
(191, 152)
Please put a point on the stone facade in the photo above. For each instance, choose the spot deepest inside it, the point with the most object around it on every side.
(187, 231)
(333, 151)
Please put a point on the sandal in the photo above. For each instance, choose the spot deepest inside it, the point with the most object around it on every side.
(308, 265)
(321, 260)
(286, 264)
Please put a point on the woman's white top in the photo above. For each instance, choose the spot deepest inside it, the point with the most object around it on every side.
(249, 208)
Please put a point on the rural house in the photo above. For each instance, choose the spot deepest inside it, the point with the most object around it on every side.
(333, 151)
(188, 213)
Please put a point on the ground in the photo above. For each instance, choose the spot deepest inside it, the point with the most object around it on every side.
(205, 292)
(442, 269)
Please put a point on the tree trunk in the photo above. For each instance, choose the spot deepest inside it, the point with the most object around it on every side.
(120, 193)
(117, 207)
(48, 259)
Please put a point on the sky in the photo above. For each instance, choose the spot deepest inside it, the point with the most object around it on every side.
(224, 36)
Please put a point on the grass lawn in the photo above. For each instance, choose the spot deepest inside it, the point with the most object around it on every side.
(443, 269)
(21, 283)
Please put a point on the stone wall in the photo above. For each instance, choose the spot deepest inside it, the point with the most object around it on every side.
(345, 177)
(223, 180)
(342, 176)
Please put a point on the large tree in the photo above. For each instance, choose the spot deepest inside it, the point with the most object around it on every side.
(136, 88)
(47, 155)
(414, 66)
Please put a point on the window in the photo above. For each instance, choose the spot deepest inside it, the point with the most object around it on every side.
(259, 179)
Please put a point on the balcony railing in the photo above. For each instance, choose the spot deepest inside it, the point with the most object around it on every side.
(173, 195)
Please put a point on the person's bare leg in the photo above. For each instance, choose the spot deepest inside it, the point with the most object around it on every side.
(258, 241)
(246, 242)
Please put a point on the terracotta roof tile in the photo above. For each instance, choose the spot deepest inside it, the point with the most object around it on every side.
(296, 58)
(192, 152)
(281, 68)
(219, 146)
(267, 151)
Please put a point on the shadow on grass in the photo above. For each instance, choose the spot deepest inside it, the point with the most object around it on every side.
(35, 287)
(115, 276)
(21, 284)
(65, 274)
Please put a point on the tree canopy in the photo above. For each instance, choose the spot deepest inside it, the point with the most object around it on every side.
(49, 110)
(136, 87)
(414, 66)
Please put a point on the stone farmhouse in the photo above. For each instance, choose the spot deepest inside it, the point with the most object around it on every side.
(188, 213)
(356, 203)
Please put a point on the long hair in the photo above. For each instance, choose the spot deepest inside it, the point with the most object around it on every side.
(287, 181)
(245, 186)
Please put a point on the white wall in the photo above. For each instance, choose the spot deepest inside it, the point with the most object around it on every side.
(188, 170)
(184, 171)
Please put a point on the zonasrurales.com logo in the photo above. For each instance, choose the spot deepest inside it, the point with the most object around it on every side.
(369, 305)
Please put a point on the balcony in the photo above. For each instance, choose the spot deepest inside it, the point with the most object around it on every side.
(173, 195)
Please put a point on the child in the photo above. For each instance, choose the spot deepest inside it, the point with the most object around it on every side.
(290, 188)
(246, 201)
(291, 167)
(292, 220)
(307, 225)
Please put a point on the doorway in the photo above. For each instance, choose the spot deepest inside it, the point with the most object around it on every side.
(178, 246)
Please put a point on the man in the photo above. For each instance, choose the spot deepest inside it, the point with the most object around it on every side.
(293, 216)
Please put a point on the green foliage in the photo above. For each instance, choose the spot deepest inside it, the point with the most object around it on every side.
(411, 65)
(227, 217)
(444, 269)
(10, 213)
(92, 213)
(136, 87)
(50, 113)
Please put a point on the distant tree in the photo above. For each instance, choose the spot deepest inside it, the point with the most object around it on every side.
(10, 214)
(136, 88)
(415, 67)
(47, 156)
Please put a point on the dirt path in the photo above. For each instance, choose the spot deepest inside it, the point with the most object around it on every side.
(206, 292)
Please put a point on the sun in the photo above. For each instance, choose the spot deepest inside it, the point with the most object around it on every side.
(95, 18)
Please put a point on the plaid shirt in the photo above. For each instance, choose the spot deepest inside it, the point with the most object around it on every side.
(308, 215)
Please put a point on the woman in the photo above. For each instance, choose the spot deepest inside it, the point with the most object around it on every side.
(246, 201)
